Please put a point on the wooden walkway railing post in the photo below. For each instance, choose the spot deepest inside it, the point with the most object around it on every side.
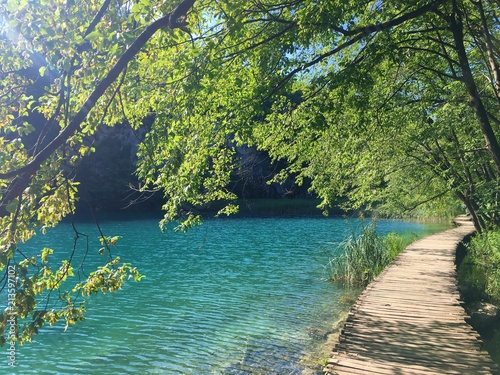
(410, 320)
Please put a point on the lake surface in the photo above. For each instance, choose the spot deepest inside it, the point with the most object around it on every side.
(234, 296)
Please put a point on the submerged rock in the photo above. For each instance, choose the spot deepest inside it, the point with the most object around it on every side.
(483, 315)
(270, 358)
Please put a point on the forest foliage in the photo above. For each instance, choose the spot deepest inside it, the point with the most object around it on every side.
(387, 106)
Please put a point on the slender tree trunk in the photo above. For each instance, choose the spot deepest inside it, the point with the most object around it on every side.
(476, 103)
(472, 209)
(488, 45)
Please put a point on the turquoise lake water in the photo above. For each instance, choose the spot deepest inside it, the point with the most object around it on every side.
(233, 296)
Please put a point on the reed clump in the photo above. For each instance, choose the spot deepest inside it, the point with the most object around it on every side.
(361, 257)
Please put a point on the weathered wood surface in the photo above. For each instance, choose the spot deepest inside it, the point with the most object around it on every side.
(410, 320)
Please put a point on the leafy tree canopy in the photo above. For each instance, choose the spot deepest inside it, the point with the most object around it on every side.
(386, 105)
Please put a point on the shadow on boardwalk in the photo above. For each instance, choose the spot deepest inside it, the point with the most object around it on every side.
(410, 320)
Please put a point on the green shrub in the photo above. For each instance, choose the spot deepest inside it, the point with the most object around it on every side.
(484, 252)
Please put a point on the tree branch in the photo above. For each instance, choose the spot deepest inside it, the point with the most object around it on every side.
(97, 17)
(25, 174)
(408, 209)
(359, 34)
(370, 29)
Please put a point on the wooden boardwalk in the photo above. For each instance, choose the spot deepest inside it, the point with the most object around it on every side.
(409, 320)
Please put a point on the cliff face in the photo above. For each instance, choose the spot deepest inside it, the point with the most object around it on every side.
(254, 169)
(107, 178)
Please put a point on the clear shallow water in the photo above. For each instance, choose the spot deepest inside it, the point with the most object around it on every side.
(239, 296)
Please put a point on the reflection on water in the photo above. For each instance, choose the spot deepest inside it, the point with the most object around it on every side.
(242, 296)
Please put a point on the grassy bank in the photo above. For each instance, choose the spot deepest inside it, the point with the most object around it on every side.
(484, 253)
(362, 256)
(479, 281)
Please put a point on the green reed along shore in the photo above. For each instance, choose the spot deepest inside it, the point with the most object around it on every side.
(364, 254)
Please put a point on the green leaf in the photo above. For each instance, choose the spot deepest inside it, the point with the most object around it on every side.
(45, 254)
(11, 207)
(93, 36)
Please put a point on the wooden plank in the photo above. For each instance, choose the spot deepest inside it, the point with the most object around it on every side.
(457, 354)
(361, 363)
(386, 316)
(435, 332)
(469, 365)
(411, 341)
(451, 333)
(414, 300)
(392, 305)
(410, 313)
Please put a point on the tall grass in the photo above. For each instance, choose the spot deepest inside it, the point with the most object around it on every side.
(363, 256)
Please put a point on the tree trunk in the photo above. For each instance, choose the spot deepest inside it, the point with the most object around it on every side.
(476, 103)
(472, 210)
(488, 45)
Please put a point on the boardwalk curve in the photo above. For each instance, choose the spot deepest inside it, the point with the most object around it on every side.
(409, 320)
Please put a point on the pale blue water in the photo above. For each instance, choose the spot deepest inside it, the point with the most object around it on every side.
(237, 296)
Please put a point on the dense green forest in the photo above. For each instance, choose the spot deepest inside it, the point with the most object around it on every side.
(392, 107)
